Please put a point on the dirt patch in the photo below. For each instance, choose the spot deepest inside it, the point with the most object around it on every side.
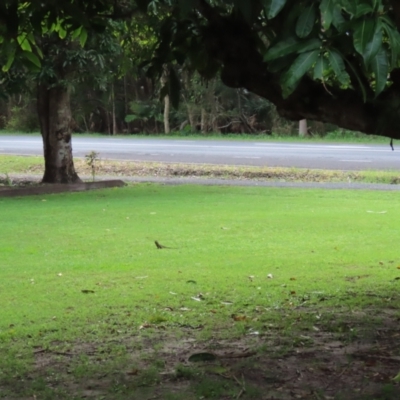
(158, 169)
(32, 188)
(154, 364)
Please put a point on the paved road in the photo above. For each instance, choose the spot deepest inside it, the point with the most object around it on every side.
(301, 155)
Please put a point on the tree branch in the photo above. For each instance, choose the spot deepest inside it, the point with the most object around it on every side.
(232, 43)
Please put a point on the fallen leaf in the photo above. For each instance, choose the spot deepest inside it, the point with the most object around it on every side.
(199, 357)
(191, 281)
(199, 297)
(133, 372)
(239, 317)
(269, 276)
(145, 326)
(87, 291)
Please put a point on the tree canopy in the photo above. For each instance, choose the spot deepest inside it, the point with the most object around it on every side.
(335, 61)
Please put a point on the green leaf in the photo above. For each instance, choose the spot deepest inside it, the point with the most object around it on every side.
(76, 33)
(327, 7)
(380, 67)
(396, 378)
(337, 64)
(281, 63)
(298, 69)
(131, 117)
(33, 58)
(306, 22)
(394, 42)
(349, 6)
(24, 43)
(363, 34)
(363, 9)
(83, 37)
(372, 48)
(273, 7)
(62, 33)
(9, 62)
(320, 67)
(289, 46)
(338, 20)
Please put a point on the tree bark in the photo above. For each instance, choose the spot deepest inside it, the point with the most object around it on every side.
(114, 118)
(167, 107)
(303, 132)
(203, 121)
(55, 125)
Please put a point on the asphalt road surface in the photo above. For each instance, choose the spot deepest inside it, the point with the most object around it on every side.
(272, 154)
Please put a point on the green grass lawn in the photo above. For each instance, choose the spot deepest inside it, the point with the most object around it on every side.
(82, 270)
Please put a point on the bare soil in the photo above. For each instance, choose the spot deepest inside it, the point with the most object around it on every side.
(330, 361)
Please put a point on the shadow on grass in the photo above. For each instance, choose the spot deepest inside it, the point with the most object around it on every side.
(302, 352)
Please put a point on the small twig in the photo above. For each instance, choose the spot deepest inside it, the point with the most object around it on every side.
(327, 90)
(59, 353)
(242, 384)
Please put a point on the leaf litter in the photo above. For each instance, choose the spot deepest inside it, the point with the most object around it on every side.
(349, 356)
(158, 169)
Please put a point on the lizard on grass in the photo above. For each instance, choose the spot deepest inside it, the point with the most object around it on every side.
(160, 246)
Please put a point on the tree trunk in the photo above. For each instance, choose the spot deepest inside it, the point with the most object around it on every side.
(203, 122)
(191, 118)
(54, 113)
(167, 107)
(164, 81)
(303, 132)
(114, 118)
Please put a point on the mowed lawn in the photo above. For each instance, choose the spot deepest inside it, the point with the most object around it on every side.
(83, 267)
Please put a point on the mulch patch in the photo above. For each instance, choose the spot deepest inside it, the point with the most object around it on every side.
(29, 188)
